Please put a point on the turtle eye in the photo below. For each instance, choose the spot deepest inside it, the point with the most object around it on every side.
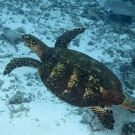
(25, 37)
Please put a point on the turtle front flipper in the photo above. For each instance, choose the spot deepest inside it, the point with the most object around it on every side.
(105, 115)
(66, 38)
(19, 62)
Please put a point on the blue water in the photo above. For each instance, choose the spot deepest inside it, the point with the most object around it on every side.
(108, 38)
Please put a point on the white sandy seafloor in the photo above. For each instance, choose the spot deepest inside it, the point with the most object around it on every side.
(46, 114)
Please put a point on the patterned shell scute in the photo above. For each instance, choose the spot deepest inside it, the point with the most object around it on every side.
(77, 78)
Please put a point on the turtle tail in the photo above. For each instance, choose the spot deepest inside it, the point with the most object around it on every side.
(19, 62)
(129, 102)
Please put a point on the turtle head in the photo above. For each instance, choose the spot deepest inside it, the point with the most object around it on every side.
(35, 45)
(29, 40)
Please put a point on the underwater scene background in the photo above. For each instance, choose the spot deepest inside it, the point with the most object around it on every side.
(27, 107)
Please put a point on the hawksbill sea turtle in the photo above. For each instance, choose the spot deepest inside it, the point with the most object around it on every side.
(74, 77)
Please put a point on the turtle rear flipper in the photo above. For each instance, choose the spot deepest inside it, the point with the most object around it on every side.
(19, 62)
(66, 38)
(105, 115)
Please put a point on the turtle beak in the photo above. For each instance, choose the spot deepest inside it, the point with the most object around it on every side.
(22, 37)
(25, 39)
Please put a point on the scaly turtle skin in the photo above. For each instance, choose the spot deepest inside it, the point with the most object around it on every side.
(75, 77)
